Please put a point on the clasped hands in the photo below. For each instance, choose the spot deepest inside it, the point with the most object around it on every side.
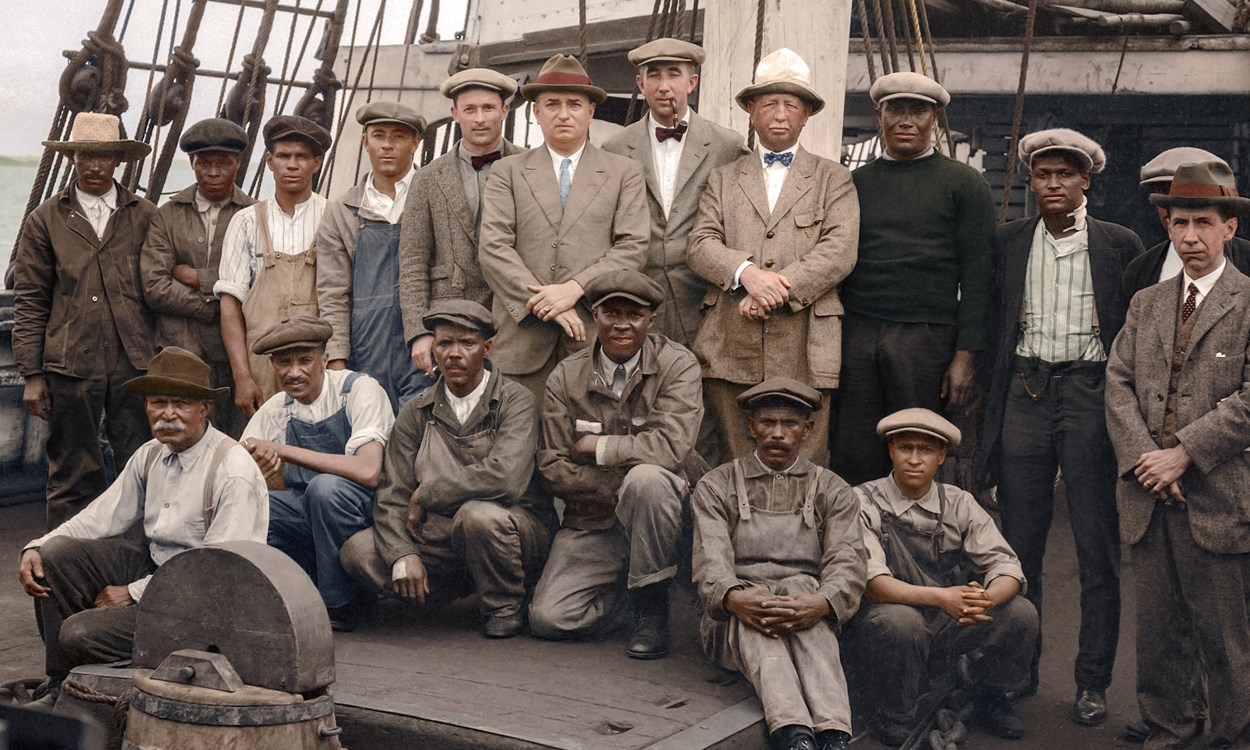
(966, 605)
(554, 302)
(775, 614)
(766, 291)
(1159, 472)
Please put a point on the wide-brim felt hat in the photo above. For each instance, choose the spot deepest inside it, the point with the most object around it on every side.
(782, 72)
(1207, 183)
(176, 372)
(563, 73)
(97, 133)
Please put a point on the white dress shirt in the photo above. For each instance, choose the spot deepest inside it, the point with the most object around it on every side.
(98, 208)
(463, 406)
(241, 253)
(774, 179)
(575, 157)
(368, 412)
(1204, 284)
(1172, 263)
(391, 209)
(666, 158)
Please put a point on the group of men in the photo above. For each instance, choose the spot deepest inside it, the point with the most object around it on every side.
(417, 371)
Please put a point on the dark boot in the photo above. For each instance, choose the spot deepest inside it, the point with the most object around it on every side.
(793, 737)
(833, 739)
(650, 639)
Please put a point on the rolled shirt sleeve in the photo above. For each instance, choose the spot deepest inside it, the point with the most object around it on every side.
(237, 271)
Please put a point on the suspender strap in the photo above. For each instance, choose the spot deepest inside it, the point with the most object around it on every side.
(809, 502)
(262, 231)
(219, 455)
(152, 456)
(740, 486)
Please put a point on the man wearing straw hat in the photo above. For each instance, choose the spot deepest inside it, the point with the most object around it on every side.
(775, 236)
(554, 219)
(1178, 412)
(80, 329)
(189, 486)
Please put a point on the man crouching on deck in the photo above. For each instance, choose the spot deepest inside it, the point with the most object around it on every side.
(779, 561)
(190, 486)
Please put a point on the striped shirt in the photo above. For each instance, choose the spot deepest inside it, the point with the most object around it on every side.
(1059, 322)
(241, 253)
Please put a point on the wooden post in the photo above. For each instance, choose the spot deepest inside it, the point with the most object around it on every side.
(818, 30)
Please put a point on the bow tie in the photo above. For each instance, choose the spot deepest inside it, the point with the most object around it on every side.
(784, 158)
(663, 134)
(480, 161)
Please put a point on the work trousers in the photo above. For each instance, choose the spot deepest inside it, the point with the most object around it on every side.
(226, 417)
(581, 583)
(892, 645)
(76, 571)
(311, 527)
(494, 549)
(731, 421)
(1056, 423)
(1191, 601)
(886, 367)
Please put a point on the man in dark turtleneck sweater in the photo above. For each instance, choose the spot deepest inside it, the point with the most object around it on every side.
(917, 303)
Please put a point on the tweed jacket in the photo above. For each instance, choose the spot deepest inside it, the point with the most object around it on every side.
(1111, 248)
(65, 274)
(526, 240)
(706, 146)
(1213, 411)
(186, 317)
(654, 421)
(1145, 268)
(810, 237)
(438, 257)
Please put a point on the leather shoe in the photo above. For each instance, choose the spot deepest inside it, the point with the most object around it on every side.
(993, 712)
(504, 626)
(1090, 707)
(833, 739)
(794, 737)
(1137, 731)
(888, 731)
(650, 638)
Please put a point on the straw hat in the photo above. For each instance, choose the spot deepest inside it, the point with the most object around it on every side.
(97, 133)
(782, 72)
(563, 73)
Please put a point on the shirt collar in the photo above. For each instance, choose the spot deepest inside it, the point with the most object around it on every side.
(188, 458)
(652, 124)
(401, 186)
(886, 155)
(1064, 246)
(575, 157)
(203, 204)
(465, 155)
(1206, 282)
(607, 367)
(473, 396)
(792, 150)
(108, 200)
(899, 503)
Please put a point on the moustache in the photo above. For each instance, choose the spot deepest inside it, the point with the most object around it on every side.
(163, 426)
(774, 445)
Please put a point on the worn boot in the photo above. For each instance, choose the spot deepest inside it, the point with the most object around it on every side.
(650, 639)
(793, 737)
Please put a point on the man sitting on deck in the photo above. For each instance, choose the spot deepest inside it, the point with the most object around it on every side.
(458, 493)
(779, 561)
(190, 486)
(321, 441)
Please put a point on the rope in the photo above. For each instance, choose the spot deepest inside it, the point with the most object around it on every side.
(886, 69)
(80, 692)
(431, 26)
(863, 28)
(1018, 113)
(888, 9)
(946, 126)
(633, 97)
(760, 9)
(121, 706)
(414, 22)
(370, 45)
(373, 71)
(234, 43)
(126, 21)
(146, 130)
(286, 57)
(581, 32)
(907, 38)
(19, 691)
(284, 94)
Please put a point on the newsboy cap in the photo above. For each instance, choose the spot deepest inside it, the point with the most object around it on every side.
(377, 113)
(294, 127)
(667, 49)
(1201, 185)
(461, 313)
(483, 78)
(634, 286)
(920, 420)
(214, 134)
(297, 332)
(1162, 167)
(1062, 139)
(563, 73)
(174, 371)
(802, 396)
(908, 85)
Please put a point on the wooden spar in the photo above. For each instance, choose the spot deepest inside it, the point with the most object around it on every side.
(1218, 14)
(1124, 6)
(818, 31)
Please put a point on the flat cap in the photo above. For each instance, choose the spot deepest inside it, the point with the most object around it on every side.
(214, 134)
(667, 49)
(920, 420)
(377, 113)
(908, 85)
(802, 396)
(479, 78)
(297, 332)
(1162, 167)
(294, 127)
(634, 286)
(461, 313)
(1062, 139)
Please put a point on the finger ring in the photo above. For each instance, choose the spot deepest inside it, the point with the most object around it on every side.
(753, 309)
(1148, 483)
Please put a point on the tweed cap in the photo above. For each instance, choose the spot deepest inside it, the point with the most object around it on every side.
(782, 72)
(478, 78)
(920, 420)
(803, 396)
(174, 371)
(294, 127)
(1207, 183)
(377, 113)
(1162, 167)
(214, 134)
(563, 73)
(461, 313)
(908, 85)
(667, 49)
(1062, 139)
(297, 332)
(634, 286)
(96, 133)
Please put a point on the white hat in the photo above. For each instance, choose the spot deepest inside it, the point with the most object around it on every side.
(782, 72)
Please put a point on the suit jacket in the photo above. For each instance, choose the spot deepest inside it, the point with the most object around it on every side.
(438, 257)
(1145, 268)
(527, 240)
(705, 146)
(1213, 411)
(810, 237)
(1111, 248)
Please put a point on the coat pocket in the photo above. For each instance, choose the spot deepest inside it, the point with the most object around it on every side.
(824, 338)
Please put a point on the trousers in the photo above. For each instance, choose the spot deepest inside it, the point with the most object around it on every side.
(312, 526)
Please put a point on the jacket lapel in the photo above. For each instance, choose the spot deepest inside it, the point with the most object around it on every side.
(1106, 278)
(451, 184)
(1015, 269)
(798, 182)
(542, 181)
(692, 152)
(1164, 315)
(640, 150)
(589, 178)
(751, 182)
(1214, 306)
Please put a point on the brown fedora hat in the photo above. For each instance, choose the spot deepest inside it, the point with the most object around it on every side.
(96, 133)
(563, 73)
(1202, 184)
(176, 372)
